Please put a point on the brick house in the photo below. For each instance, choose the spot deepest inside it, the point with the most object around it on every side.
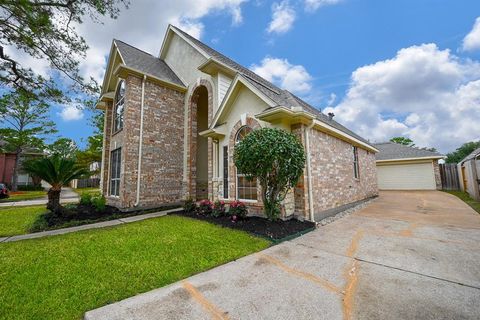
(172, 122)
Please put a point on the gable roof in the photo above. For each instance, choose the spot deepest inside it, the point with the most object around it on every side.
(146, 63)
(472, 155)
(394, 151)
(279, 96)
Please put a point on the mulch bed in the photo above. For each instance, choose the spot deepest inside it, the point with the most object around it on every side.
(275, 231)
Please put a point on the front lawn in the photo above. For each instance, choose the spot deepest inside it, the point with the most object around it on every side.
(25, 195)
(466, 198)
(92, 191)
(18, 220)
(62, 277)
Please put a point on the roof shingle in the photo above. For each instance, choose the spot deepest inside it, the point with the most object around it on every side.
(391, 150)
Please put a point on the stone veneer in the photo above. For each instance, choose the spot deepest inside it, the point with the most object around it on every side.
(162, 160)
(438, 178)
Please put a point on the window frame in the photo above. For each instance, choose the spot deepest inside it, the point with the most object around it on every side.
(115, 172)
(239, 175)
(356, 167)
(119, 101)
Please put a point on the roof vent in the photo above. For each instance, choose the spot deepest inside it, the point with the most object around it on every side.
(331, 115)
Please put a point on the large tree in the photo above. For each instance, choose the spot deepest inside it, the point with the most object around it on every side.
(93, 151)
(276, 158)
(24, 123)
(403, 140)
(462, 151)
(63, 147)
(46, 30)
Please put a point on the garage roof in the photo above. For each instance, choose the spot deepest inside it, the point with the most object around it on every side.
(472, 155)
(394, 151)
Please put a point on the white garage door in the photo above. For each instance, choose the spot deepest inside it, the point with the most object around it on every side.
(418, 176)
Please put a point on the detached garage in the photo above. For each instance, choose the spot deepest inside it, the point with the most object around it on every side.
(401, 167)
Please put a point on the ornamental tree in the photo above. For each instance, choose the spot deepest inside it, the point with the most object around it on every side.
(276, 158)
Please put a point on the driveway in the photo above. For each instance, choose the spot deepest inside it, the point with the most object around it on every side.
(407, 255)
(66, 196)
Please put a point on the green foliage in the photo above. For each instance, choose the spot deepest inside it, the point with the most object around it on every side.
(462, 151)
(99, 202)
(93, 151)
(30, 188)
(276, 158)
(86, 199)
(205, 207)
(189, 206)
(403, 140)
(64, 148)
(218, 208)
(237, 210)
(47, 31)
(58, 172)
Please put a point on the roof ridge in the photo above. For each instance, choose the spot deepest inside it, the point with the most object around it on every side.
(143, 51)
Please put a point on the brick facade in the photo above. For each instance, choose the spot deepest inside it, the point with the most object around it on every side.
(438, 178)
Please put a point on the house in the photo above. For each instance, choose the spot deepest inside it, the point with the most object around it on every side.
(172, 122)
(7, 163)
(401, 167)
(469, 174)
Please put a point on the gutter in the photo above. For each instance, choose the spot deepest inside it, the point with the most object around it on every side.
(140, 144)
(309, 171)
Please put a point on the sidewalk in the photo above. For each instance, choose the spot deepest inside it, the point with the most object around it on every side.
(66, 196)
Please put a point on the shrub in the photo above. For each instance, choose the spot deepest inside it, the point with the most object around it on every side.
(218, 208)
(86, 199)
(276, 158)
(99, 203)
(30, 188)
(189, 206)
(205, 207)
(238, 210)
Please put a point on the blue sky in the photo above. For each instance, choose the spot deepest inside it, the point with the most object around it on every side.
(384, 68)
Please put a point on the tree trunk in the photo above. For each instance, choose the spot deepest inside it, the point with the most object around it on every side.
(53, 199)
(15, 170)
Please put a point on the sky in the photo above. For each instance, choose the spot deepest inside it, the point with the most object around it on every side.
(385, 68)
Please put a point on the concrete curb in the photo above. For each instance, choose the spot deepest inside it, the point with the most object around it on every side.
(97, 225)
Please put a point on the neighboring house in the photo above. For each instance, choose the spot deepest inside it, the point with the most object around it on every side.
(172, 123)
(93, 181)
(7, 163)
(401, 167)
(469, 174)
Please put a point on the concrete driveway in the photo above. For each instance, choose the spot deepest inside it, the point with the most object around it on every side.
(407, 255)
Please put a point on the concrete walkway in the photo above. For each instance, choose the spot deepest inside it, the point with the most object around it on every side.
(66, 196)
(97, 225)
(407, 255)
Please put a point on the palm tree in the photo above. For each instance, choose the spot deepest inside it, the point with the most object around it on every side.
(58, 172)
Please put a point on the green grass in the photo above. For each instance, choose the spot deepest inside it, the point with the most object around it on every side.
(18, 220)
(24, 195)
(466, 198)
(92, 191)
(62, 277)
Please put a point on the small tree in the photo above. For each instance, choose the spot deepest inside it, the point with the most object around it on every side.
(64, 147)
(403, 140)
(276, 158)
(58, 172)
(461, 152)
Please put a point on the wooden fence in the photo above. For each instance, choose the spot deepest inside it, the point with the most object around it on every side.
(449, 175)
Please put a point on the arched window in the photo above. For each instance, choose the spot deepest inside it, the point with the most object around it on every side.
(246, 190)
(119, 106)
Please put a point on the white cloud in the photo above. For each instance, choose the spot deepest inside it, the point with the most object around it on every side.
(283, 17)
(471, 41)
(294, 78)
(331, 99)
(313, 5)
(425, 93)
(71, 113)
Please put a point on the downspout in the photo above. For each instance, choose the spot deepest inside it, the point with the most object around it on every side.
(309, 170)
(140, 145)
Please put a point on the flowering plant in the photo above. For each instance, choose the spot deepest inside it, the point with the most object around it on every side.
(205, 207)
(237, 210)
(218, 208)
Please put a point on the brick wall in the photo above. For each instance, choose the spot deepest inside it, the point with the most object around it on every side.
(333, 179)
(162, 154)
(438, 178)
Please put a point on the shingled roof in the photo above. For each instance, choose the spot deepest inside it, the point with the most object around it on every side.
(146, 63)
(391, 151)
(279, 96)
(472, 155)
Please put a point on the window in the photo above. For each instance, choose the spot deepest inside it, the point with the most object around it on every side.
(115, 162)
(119, 107)
(246, 190)
(225, 172)
(356, 171)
